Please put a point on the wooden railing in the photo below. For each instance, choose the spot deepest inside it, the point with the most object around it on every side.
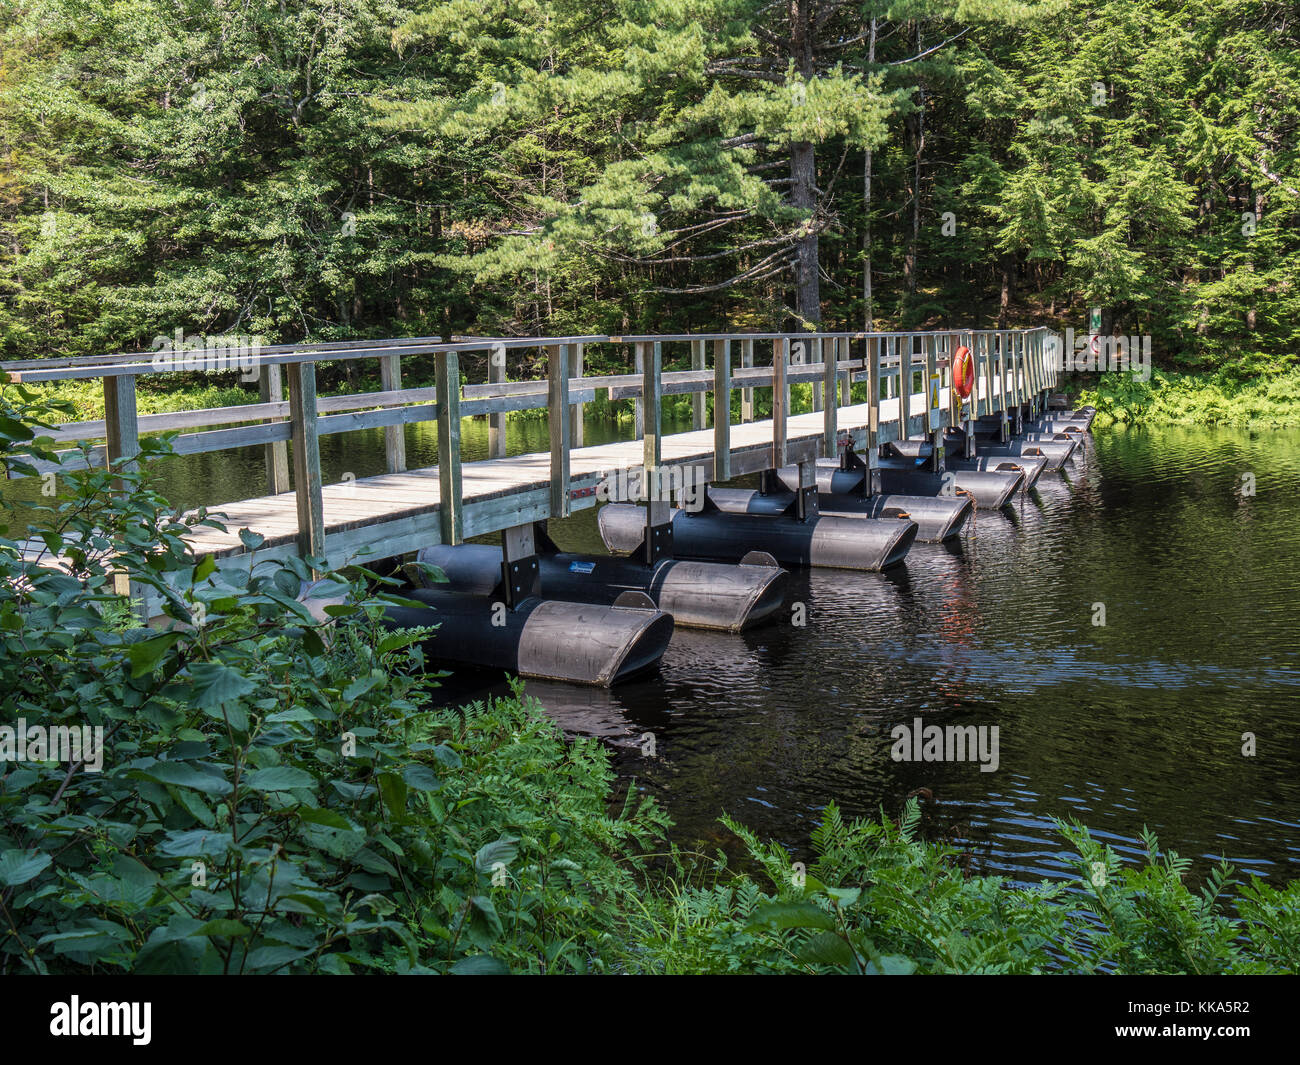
(1012, 367)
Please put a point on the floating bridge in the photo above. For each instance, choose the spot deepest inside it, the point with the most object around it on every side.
(888, 435)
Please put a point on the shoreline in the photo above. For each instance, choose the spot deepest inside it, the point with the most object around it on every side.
(1187, 399)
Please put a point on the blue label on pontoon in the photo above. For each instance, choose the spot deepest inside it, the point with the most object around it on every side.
(581, 567)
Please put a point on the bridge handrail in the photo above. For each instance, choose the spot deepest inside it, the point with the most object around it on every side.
(1011, 367)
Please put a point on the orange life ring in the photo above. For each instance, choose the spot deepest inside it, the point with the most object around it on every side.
(963, 372)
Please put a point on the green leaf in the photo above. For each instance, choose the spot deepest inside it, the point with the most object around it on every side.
(844, 896)
(194, 843)
(502, 850)
(251, 540)
(484, 905)
(279, 778)
(421, 778)
(393, 790)
(480, 965)
(11, 429)
(215, 683)
(313, 643)
(826, 948)
(328, 818)
(18, 867)
(791, 915)
(225, 926)
(145, 655)
(360, 686)
(186, 775)
(274, 957)
(379, 905)
(891, 965)
(447, 756)
(401, 638)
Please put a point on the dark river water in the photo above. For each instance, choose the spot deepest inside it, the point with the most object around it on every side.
(1140, 721)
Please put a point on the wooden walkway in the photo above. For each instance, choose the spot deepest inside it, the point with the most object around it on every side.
(907, 394)
(390, 514)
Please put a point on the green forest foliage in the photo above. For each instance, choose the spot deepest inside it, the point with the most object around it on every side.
(296, 168)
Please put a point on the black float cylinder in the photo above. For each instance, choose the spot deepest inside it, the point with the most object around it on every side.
(704, 595)
(839, 543)
(582, 643)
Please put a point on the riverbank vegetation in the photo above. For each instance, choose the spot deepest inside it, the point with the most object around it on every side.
(1269, 401)
(273, 790)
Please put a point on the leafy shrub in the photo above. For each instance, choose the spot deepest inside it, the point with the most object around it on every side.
(277, 795)
(879, 901)
(1224, 398)
(232, 827)
(527, 863)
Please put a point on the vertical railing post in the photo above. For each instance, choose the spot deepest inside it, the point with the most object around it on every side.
(650, 357)
(557, 402)
(846, 376)
(390, 380)
(972, 404)
(780, 401)
(997, 402)
(999, 382)
(1032, 363)
(722, 410)
(932, 384)
(954, 342)
(270, 389)
(817, 354)
(697, 398)
(659, 524)
(497, 420)
(830, 379)
(1008, 380)
(1017, 381)
(873, 393)
(306, 459)
(1036, 371)
(933, 390)
(1004, 365)
(121, 423)
(451, 518)
(575, 409)
(1026, 362)
(638, 404)
(121, 445)
(1004, 404)
(746, 394)
(904, 385)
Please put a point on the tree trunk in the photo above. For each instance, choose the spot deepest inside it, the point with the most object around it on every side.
(1008, 289)
(803, 177)
(915, 126)
(803, 171)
